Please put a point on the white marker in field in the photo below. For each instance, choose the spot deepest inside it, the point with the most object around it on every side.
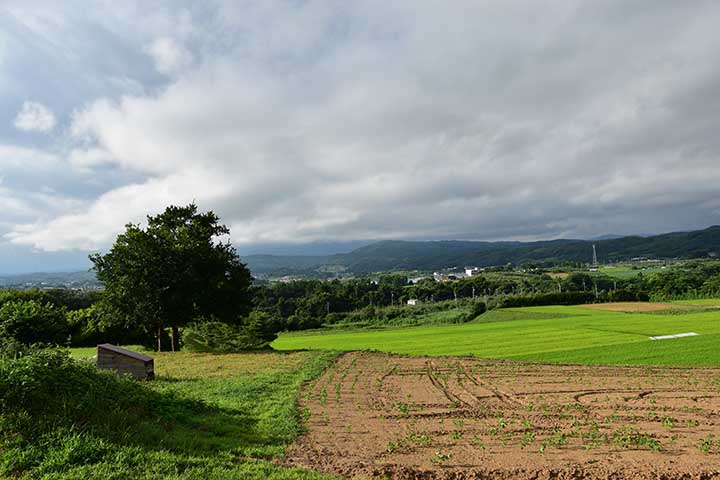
(677, 335)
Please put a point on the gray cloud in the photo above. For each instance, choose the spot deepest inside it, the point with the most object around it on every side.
(307, 121)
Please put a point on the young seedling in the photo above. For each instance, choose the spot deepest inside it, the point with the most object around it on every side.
(440, 457)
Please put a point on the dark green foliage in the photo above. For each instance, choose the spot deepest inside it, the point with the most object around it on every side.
(69, 299)
(696, 277)
(257, 331)
(94, 325)
(476, 309)
(627, 296)
(30, 322)
(564, 298)
(173, 272)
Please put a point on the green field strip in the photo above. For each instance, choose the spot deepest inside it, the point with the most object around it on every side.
(576, 334)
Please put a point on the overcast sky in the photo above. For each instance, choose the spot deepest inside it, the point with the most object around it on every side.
(334, 121)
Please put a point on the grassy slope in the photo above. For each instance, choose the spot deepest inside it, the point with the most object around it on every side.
(256, 395)
(556, 333)
(624, 272)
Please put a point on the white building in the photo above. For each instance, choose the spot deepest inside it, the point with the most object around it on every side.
(470, 271)
(414, 301)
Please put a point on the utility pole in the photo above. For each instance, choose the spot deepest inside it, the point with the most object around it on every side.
(473, 292)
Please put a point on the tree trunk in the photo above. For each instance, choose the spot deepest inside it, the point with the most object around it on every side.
(159, 337)
(175, 339)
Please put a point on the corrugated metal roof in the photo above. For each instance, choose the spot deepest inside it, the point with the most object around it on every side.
(127, 353)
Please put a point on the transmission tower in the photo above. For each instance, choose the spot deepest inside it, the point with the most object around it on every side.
(594, 256)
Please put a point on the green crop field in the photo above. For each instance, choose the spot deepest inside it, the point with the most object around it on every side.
(571, 334)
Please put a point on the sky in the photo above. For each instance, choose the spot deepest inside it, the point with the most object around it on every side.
(311, 123)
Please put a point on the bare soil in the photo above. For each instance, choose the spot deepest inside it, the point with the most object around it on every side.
(637, 307)
(387, 416)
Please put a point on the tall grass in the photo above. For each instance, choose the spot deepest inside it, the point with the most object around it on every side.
(63, 419)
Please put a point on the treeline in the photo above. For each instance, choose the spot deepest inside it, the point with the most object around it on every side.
(71, 318)
(572, 298)
(56, 317)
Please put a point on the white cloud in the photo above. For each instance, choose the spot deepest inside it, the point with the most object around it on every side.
(169, 56)
(299, 122)
(35, 117)
(86, 159)
(13, 157)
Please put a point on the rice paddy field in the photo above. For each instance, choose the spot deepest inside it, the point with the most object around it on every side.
(563, 334)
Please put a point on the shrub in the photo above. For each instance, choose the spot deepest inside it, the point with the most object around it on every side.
(257, 331)
(626, 296)
(476, 309)
(30, 322)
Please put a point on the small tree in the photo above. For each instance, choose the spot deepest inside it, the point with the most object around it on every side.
(174, 272)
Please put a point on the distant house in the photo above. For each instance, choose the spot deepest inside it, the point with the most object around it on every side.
(470, 271)
(417, 279)
(414, 301)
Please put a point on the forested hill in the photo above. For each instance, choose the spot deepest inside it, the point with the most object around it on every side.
(433, 255)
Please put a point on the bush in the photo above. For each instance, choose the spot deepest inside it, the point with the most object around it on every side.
(476, 309)
(30, 322)
(257, 331)
(627, 296)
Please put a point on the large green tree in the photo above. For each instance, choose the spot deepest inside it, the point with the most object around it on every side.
(175, 271)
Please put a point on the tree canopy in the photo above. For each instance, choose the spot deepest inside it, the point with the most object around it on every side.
(175, 271)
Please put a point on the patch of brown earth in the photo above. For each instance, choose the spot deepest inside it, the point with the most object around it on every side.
(387, 416)
(634, 307)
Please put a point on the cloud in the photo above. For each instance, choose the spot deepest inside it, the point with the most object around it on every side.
(299, 122)
(35, 117)
(168, 55)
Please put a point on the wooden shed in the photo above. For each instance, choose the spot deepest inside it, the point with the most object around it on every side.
(110, 357)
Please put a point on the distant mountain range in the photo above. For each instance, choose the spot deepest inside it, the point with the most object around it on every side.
(395, 255)
(392, 255)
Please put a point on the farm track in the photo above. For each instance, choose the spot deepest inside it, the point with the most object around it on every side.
(379, 415)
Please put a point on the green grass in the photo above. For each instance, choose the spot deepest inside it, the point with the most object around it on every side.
(703, 302)
(250, 416)
(558, 334)
(625, 272)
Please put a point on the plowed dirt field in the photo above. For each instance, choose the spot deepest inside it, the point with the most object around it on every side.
(388, 416)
